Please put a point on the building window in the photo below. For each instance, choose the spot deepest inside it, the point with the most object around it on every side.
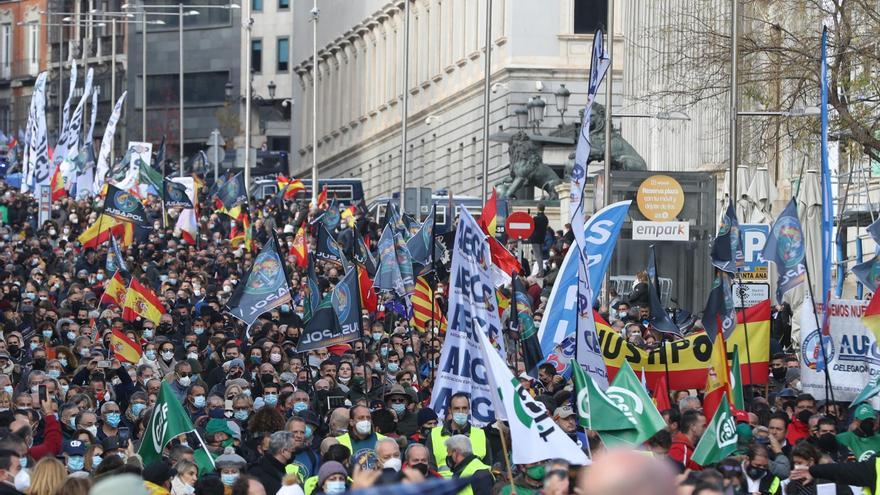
(590, 15)
(5, 51)
(33, 48)
(283, 4)
(283, 44)
(257, 5)
(199, 88)
(257, 55)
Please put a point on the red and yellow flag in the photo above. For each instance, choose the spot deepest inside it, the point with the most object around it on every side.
(114, 290)
(289, 187)
(322, 198)
(141, 301)
(718, 376)
(369, 299)
(100, 231)
(489, 216)
(57, 184)
(125, 349)
(347, 215)
(871, 318)
(423, 302)
(300, 248)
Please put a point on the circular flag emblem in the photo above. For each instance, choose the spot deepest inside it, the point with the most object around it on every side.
(266, 275)
(126, 202)
(790, 241)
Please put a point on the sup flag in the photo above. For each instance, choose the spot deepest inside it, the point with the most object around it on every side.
(170, 420)
(534, 435)
(419, 245)
(388, 276)
(124, 205)
(346, 300)
(233, 193)
(719, 439)
(327, 249)
(786, 249)
(727, 254)
(265, 287)
(322, 327)
(175, 195)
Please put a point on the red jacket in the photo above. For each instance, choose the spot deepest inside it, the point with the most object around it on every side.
(52, 440)
(682, 451)
(797, 431)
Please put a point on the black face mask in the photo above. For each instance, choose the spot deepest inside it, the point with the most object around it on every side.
(13, 348)
(40, 363)
(422, 468)
(778, 373)
(804, 416)
(450, 462)
(756, 472)
(827, 442)
(866, 427)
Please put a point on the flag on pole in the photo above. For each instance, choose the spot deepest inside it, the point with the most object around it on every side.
(369, 299)
(363, 256)
(661, 394)
(114, 290)
(175, 195)
(523, 322)
(233, 193)
(489, 216)
(868, 273)
(871, 390)
(124, 206)
(322, 198)
(388, 276)
(300, 248)
(115, 260)
(786, 249)
(265, 286)
(719, 439)
(627, 392)
(660, 319)
(419, 245)
(534, 435)
(125, 349)
(422, 304)
(103, 165)
(170, 420)
(141, 301)
(287, 188)
(188, 226)
(736, 383)
(599, 412)
(720, 307)
(727, 254)
(104, 227)
(717, 385)
(825, 184)
(57, 184)
(327, 248)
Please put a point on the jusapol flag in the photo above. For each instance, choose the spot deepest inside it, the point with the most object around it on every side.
(265, 287)
(727, 251)
(786, 249)
(534, 434)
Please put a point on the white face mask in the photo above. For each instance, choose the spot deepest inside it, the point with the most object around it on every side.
(392, 463)
(22, 481)
(364, 427)
(93, 430)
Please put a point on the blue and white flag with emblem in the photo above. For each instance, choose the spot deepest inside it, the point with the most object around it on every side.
(785, 247)
(264, 288)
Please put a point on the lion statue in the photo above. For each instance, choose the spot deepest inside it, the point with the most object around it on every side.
(623, 155)
(527, 168)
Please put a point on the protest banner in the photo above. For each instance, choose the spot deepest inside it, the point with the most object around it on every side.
(472, 306)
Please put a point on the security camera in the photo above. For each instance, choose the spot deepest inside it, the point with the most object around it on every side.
(496, 87)
(314, 12)
(539, 85)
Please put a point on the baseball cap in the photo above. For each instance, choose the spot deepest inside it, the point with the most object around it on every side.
(74, 448)
(563, 412)
(864, 411)
(741, 416)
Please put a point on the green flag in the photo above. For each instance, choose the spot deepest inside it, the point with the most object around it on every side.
(719, 439)
(631, 397)
(736, 384)
(596, 411)
(869, 392)
(169, 420)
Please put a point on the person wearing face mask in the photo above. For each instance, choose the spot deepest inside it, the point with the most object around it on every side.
(401, 403)
(863, 441)
(229, 465)
(11, 477)
(182, 379)
(165, 358)
(269, 469)
(826, 440)
(196, 402)
(457, 422)
(360, 438)
(805, 407)
(757, 474)
(462, 463)
(528, 481)
(110, 420)
(417, 458)
(74, 455)
(388, 460)
(332, 479)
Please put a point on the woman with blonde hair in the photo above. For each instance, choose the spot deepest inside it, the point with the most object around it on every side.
(47, 476)
(75, 486)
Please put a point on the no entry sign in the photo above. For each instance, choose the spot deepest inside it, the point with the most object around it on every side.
(520, 225)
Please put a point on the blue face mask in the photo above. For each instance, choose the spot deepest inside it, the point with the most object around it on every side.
(398, 408)
(384, 352)
(137, 408)
(270, 399)
(241, 415)
(99, 276)
(63, 362)
(151, 354)
(96, 461)
(75, 463)
(334, 487)
(308, 432)
(8, 389)
(199, 401)
(47, 334)
(393, 367)
(460, 419)
(198, 330)
(228, 479)
(54, 374)
(299, 407)
(113, 419)
(71, 335)
(285, 308)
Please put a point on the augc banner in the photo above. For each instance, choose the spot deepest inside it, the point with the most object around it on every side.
(472, 305)
(853, 356)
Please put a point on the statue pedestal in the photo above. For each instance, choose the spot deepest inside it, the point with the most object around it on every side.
(564, 192)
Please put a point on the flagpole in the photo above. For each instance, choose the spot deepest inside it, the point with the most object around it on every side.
(506, 459)
(829, 391)
(742, 302)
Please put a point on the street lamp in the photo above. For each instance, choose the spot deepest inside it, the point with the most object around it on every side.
(228, 88)
(272, 88)
(562, 95)
(522, 118)
(535, 107)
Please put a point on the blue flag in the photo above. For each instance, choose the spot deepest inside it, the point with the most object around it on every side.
(419, 245)
(660, 319)
(264, 288)
(327, 249)
(785, 247)
(115, 260)
(874, 231)
(232, 193)
(388, 276)
(405, 266)
(727, 251)
(331, 217)
(868, 273)
(720, 305)
(363, 256)
(827, 201)
(175, 195)
(124, 206)
(314, 288)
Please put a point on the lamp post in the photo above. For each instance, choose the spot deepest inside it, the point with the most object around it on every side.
(535, 107)
(487, 79)
(315, 13)
(404, 108)
(562, 95)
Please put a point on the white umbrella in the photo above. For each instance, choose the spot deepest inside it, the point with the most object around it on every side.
(810, 213)
(743, 201)
(762, 193)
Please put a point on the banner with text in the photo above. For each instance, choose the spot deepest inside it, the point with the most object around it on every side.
(853, 357)
(472, 306)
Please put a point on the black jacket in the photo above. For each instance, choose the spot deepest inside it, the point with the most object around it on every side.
(862, 474)
(269, 471)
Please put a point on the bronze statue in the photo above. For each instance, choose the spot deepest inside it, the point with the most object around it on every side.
(623, 155)
(527, 168)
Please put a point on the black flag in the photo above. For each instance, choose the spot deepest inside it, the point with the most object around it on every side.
(175, 195)
(124, 205)
(264, 288)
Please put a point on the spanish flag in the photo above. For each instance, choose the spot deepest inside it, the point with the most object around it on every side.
(489, 216)
(57, 184)
(718, 378)
(503, 302)
(289, 187)
(323, 203)
(422, 303)
(125, 349)
(871, 318)
(100, 231)
(243, 235)
(114, 291)
(141, 301)
(300, 248)
(369, 299)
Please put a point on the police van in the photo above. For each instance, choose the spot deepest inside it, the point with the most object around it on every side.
(443, 218)
(346, 191)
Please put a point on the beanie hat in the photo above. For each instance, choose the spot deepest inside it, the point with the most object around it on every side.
(229, 459)
(425, 414)
(328, 469)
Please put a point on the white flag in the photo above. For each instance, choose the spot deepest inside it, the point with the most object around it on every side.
(534, 434)
(36, 168)
(68, 146)
(106, 144)
(72, 87)
(90, 135)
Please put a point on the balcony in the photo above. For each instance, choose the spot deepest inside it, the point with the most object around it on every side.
(25, 69)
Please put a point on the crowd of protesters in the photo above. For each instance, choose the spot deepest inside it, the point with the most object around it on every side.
(331, 420)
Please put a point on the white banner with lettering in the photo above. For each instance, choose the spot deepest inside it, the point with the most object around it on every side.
(472, 305)
(852, 355)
